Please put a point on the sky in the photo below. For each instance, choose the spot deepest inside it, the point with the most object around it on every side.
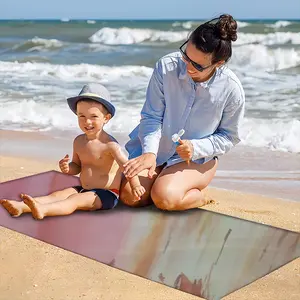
(148, 9)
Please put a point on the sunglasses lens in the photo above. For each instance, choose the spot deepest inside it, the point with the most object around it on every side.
(186, 58)
(197, 66)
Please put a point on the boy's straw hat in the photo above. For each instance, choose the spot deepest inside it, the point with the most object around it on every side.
(96, 92)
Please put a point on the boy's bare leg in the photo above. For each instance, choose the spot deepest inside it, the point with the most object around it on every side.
(84, 201)
(16, 208)
(55, 196)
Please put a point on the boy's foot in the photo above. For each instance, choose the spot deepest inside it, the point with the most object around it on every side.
(34, 206)
(13, 207)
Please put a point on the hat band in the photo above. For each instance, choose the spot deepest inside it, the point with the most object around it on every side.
(90, 95)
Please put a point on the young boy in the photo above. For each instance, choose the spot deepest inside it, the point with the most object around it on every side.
(96, 156)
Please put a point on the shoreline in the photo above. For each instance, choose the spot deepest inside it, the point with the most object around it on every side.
(246, 169)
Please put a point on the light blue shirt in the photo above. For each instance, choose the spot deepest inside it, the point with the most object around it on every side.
(210, 113)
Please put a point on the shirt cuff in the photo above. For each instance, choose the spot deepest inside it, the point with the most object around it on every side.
(202, 148)
(150, 145)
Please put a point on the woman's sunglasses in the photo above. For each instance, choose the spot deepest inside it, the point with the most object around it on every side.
(195, 65)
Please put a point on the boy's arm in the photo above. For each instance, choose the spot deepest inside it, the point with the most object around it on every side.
(75, 164)
(74, 168)
(121, 159)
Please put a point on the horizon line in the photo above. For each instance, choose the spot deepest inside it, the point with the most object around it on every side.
(136, 19)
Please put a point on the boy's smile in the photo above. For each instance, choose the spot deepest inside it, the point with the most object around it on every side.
(91, 118)
(89, 128)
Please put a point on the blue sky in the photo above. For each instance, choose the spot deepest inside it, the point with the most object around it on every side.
(148, 9)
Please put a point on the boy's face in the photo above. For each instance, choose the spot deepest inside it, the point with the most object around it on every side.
(91, 117)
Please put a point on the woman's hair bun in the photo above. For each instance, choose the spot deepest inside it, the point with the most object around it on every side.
(227, 27)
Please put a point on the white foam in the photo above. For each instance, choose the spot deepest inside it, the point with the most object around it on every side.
(39, 44)
(32, 115)
(279, 24)
(35, 115)
(241, 24)
(33, 97)
(185, 25)
(28, 71)
(253, 59)
(275, 134)
(190, 24)
(127, 36)
(33, 94)
(260, 57)
(275, 38)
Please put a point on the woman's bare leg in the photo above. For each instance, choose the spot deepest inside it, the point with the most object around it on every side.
(126, 195)
(78, 201)
(180, 186)
(16, 208)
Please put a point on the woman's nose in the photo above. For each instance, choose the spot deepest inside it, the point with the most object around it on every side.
(190, 67)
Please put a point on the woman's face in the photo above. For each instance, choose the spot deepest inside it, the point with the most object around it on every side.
(200, 58)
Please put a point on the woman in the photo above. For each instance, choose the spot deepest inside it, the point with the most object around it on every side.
(192, 90)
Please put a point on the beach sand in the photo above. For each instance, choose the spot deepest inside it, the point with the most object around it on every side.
(31, 269)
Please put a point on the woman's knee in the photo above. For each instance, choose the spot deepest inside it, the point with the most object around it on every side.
(166, 197)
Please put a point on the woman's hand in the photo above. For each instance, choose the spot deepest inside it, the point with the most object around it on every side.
(185, 150)
(134, 166)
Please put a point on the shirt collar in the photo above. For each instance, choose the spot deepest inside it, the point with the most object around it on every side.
(206, 84)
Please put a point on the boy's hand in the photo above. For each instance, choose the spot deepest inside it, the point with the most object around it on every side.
(138, 191)
(64, 164)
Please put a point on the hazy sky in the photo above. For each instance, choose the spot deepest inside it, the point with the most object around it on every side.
(148, 9)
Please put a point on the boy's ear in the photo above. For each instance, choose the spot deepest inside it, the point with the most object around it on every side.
(107, 117)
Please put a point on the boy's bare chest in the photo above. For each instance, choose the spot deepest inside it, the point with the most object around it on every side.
(92, 154)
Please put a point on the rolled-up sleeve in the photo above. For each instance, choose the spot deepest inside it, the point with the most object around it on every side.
(227, 134)
(152, 113)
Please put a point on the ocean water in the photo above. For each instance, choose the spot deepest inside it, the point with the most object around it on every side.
(43, 62)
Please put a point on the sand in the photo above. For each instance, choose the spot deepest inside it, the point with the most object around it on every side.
(31, 269)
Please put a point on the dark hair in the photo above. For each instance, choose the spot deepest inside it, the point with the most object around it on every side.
(93, 101)
(215, 36)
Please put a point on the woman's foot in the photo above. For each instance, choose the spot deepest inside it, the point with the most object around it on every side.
(202, 196)
(34, 206)
(207, 199)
